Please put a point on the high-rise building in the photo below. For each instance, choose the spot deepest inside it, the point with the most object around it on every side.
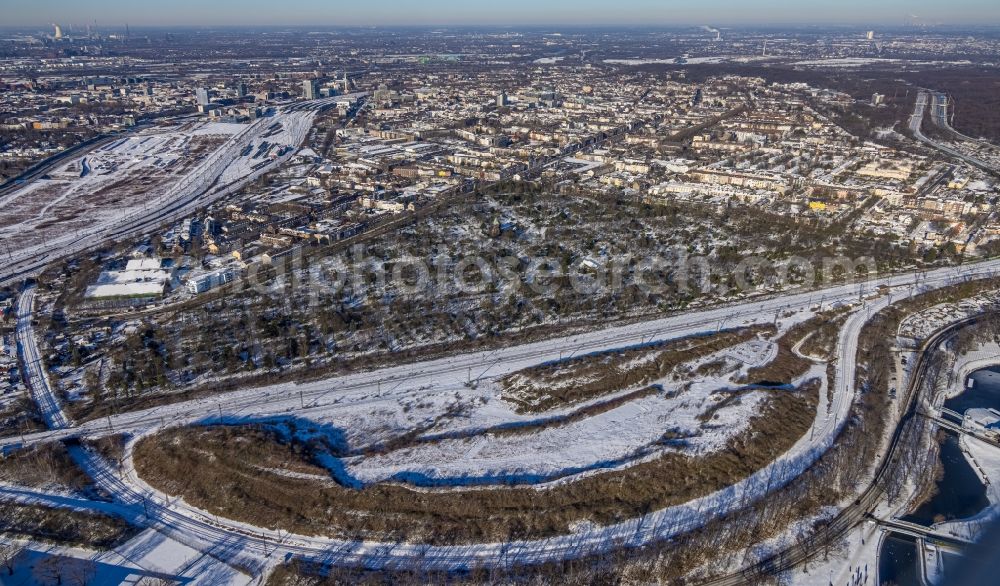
(241, 90)
(871, 35)
(58, 31)
(310, 89)
(501, 99)
(204, 98)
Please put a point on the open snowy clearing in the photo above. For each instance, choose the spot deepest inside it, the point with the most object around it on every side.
(145, 559)
(382, 388)
(692, 417)
(107, 183)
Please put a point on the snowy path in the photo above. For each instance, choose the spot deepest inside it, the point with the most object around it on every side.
(36, 375)
(241, 541)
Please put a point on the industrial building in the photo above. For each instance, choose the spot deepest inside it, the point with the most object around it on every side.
(144, 277)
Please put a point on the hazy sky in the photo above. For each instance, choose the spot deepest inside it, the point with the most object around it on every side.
(395, 12)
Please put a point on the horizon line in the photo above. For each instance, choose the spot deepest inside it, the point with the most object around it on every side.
(517, 25)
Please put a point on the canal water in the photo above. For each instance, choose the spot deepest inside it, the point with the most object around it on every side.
(959, 493)
(898, 563)
(984, 393)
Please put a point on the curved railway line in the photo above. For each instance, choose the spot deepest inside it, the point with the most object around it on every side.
(867, 501)
(247, 545)
(253, 547)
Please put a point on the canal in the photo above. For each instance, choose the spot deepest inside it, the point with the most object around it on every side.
(958, 494)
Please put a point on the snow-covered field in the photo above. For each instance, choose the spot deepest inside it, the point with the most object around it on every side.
(148, 558)
(105, 184)
(416, 392)
(382, 396)
(919, 325)
(863, 61)
(669, 61)
(274, 140)
(137, 182)
(689, 60)
(629, 433)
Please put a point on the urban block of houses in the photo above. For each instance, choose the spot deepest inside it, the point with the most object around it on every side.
(208, 281)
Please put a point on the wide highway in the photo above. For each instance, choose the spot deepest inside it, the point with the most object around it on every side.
(916, 126)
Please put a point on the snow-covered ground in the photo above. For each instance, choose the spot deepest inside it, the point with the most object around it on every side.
(622, 436)
(851, 562)
(148, 556)
(281, 136)
(855, 560)
(919, 325)
(863, 61)
(673, 61)
(107, 183)
(371, 392)
(219, 173)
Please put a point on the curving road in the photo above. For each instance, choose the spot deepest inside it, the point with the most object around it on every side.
(863, 507)
(916, 125)
(242, 544)
(254, 547)
(35, 374)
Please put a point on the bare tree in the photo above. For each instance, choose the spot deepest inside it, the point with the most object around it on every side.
(9, 551)
(49, 570)
(80, 572)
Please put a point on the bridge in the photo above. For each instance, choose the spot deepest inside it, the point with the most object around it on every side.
(921, 532)
(959, 427)
(958, 417)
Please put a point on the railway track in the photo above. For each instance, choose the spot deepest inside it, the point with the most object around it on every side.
(866, 502)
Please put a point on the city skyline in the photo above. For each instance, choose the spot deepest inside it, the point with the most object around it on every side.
(513, 12)
(302, 293)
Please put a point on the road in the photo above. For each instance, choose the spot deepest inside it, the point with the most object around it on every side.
(338, 392)
(958, 428)
(928, 533)
(246, 545)
(864, 506)
(916, 125)
(199, 187)
(36, 375)
(939, 114)
(245, 542)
